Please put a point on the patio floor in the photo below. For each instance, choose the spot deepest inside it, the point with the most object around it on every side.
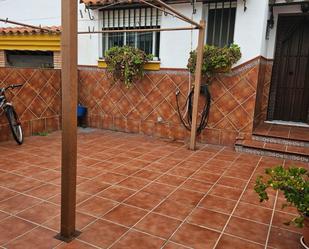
(138, 192)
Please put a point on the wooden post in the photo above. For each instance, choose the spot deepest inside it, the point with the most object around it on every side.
(197, 82)
(69, 77)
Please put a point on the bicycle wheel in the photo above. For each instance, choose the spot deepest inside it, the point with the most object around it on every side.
(14, 124)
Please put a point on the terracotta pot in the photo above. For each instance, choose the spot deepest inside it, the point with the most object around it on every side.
(305, 239)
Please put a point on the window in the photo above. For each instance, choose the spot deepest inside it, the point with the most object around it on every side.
(134, 18)
(32, 59)
(221, 23)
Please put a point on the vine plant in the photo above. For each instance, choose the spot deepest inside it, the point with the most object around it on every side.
(215, 60)
(126, 63)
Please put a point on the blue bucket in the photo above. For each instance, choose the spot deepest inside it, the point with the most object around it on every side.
(81, 111)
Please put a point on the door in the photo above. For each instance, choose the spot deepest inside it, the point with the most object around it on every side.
(289, 91)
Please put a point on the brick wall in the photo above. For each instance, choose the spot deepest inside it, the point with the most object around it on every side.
(37, 103)
(57, 60)
(112, 106)
(2, 58)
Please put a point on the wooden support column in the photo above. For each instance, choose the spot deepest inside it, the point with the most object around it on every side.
(69, 120)
(197, 82)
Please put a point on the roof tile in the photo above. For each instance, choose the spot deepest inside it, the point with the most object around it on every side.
(26, 30)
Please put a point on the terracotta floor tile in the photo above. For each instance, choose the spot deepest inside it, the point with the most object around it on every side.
(280, 218)
(284, 239)
(226, 192)
(232, 182)
(44, 192)
(247, 230)
(158, 167)
(17, 204)
(217, 203)
(144, 200)
(5, 194)
(82, 220)
(25, 184)
(183, 172)
(206, 176)
(110, 177)
(250, 196)
(40, 213)
(171, 180)
(208, 218)
(174, 209)
(134, 240)
(38, 238)
(30, 171)
(289, 209)
(158, 225)
(117, 193)
(229, 242)
(3, 215)
(186, 197)
(171, 245)
(6, 231)
(147, 174)
(159, 189)
(195, 185)
(125, 170)
(254, 213)
(195, 237)
(92, 187)
(96, 206)
(75, 244)
(125, 215)
(133, 183)
(80, 197)
(102, 233)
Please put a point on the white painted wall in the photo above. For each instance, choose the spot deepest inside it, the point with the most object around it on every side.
(175, 46)
(250, 29)
(88, 45)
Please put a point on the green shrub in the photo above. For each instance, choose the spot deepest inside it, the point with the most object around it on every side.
(215, 59)
(294, 184)
(126, 63)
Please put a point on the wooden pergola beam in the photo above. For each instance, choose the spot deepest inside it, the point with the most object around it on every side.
(69, 77)
(26, 25)
(136, 30)
(183, 17)
(197, 83)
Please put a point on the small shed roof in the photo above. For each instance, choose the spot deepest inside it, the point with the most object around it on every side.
(26, 30)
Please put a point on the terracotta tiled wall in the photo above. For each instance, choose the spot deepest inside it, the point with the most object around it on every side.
(263, 91)
(37, 102)
(139, 109)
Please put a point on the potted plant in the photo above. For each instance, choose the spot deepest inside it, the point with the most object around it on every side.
(126, 63)
(294, 184)
(215, 60)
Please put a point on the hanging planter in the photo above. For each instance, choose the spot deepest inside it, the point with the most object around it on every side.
(215, 60)
(126, 64)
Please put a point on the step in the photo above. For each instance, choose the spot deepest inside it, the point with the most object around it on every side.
(286, 151)
(280, 140)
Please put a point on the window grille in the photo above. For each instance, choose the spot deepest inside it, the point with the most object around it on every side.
(132, 18)
(221, 22)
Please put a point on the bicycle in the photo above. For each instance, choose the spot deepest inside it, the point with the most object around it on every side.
(11, 114)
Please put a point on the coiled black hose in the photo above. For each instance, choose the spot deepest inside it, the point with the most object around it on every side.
(205, 113)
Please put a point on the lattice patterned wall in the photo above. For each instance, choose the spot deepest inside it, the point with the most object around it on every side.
(112, 106)
(37, 102)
